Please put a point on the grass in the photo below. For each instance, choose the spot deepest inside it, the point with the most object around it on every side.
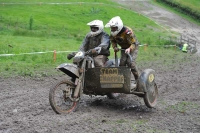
(194, 4)
(182, 107)
(40, 27)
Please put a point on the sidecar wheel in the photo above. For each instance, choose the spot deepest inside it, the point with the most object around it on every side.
(150, 97)
(61, 97)
(113, 95)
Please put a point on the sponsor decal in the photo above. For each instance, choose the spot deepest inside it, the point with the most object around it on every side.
(151, 78)
(110, 78)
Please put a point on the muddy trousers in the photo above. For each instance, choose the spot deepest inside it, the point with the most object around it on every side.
(125, 60)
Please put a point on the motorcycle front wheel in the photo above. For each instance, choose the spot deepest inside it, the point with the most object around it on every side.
(61, 97)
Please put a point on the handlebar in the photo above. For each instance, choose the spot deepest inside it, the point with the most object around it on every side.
(88, 52)
(127, 54)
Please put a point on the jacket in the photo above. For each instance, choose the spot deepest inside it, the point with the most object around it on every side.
(125, 38)
(102, 40)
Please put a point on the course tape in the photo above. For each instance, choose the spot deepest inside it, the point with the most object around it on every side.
(36, 53)
(1, 55)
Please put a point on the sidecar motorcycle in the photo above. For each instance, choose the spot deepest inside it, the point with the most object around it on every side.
(110, 80)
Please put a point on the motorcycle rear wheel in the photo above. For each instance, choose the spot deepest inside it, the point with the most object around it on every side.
(61, 97)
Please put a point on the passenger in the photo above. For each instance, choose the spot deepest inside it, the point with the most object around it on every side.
(126, 39)
(94, 40)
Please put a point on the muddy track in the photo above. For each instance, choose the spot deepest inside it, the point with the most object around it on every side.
(25, 108)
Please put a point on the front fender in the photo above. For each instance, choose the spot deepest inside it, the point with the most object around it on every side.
(69, 69)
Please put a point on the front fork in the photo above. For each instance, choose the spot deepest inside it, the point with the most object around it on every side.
(80, 81)
(78, 87)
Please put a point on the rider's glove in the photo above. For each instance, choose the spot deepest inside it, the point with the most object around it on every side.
(93, 51)
(116, 49)
(96, 50)
(71, 55)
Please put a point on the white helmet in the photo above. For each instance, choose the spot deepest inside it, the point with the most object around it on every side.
(115, 22)
(96, 23)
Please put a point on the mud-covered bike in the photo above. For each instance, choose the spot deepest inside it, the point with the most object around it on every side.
(110, 80)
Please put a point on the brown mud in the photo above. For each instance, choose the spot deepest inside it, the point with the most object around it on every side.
(25, 108)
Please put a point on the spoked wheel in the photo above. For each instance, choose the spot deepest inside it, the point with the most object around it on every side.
(150, 97)
(61, 97)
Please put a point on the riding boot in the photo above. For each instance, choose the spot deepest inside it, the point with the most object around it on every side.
(135, 74)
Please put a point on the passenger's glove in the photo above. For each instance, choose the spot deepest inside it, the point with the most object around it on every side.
(71, 55)
(116, 49)
(128, 50)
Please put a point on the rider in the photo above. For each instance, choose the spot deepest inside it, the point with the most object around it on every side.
(94, 40)
(126, 39)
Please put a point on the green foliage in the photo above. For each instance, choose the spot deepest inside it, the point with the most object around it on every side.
(188, 7)
(43, 27)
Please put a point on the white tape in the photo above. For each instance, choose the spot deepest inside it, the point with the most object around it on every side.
(36, 53)
(69, 51)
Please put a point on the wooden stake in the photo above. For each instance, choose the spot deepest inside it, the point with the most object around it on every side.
(145, 47)
(54, 55)
(174, 47)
